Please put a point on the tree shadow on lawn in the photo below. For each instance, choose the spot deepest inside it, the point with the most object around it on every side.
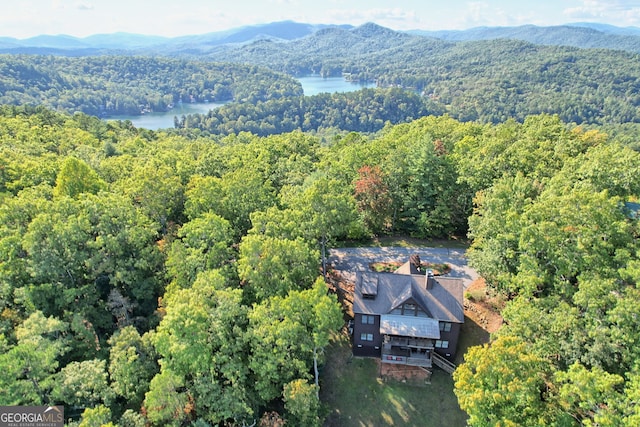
(354, 395)
(471, 334)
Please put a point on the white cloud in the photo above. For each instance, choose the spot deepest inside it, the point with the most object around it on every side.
(615, 11)
(396, 18)
(84, 6)
(480, 13)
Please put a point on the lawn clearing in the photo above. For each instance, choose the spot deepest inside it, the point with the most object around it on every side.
(355, 395)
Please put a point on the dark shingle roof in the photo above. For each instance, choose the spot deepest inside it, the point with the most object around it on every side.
(442, 302)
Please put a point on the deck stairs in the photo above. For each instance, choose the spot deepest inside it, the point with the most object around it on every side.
(443, 363)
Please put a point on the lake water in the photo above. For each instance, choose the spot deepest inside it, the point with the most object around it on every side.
(164, 119)
(311, 85)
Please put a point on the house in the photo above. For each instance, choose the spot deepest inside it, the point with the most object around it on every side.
(406, 316)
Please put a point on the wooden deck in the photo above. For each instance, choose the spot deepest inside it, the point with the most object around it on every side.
(399, 356)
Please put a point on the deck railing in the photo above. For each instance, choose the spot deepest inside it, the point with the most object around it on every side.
(443, 363)
(404, 359)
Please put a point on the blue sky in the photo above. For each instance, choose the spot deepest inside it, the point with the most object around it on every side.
(27, 18)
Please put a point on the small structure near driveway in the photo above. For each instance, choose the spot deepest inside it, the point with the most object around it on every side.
(408, 317)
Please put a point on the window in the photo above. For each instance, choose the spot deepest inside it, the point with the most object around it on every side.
(368, 319)
(366, 337)
(409, 309)
(445, 326)
(442, 344)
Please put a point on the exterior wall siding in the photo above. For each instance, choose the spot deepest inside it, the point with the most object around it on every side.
(451, 336)
(363, 347)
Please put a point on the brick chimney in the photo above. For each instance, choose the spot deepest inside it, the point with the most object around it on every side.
(430, 279)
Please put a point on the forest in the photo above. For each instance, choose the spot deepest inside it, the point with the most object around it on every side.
(153, 278)
(366, 110)
(175, 277)
(124, 85)
(488, 81)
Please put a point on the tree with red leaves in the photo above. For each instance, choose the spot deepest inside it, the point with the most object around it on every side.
(373, 199)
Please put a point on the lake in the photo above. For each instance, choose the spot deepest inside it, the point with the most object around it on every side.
(311, 85)
(164, 119)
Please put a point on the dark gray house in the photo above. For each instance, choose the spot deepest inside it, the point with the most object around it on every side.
(406, 316)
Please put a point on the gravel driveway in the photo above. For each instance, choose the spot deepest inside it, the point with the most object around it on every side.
(350, 260)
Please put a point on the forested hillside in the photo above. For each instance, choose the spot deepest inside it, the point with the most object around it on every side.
(149, 278)
(367, 110)
(552, 233)
(489, 81)
(582, 35)
(486, 81)
(176, 277)
(111, 85)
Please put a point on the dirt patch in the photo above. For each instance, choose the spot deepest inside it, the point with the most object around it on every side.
(482, 308)
(412, 375)
(343, 289)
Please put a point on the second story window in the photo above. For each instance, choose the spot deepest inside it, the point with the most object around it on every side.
(368, 319)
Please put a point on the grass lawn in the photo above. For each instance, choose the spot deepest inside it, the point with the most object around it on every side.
(354, 395)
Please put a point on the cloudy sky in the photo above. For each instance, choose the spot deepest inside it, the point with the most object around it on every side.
(27, 18)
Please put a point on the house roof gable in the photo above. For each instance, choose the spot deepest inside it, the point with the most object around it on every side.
(443, 301)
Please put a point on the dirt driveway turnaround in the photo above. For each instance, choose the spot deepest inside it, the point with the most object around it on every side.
(350, 260)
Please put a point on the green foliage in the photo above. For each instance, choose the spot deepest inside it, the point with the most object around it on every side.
(27, 369)
(588, 394)
(132, 365)
(326, 211)
(100, 416)
(550, 231)
(157, 190)
(285, 334)
(301, 403)
(490, 81)
(166, 400)
(366, 110)
(78, 250)
(204, 243)
(200, 341)
(83, 384)
(274, 266)
(75, 178)
(503, 384)
(234, 196)
(159, 247)
(107, 85)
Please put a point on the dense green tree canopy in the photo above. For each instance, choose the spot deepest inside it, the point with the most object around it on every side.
(107, 85)
(169, 279)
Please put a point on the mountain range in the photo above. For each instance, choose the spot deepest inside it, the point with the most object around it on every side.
(581, 35)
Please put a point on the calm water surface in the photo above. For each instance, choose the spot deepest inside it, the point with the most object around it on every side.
(164, 119)
(311, 85)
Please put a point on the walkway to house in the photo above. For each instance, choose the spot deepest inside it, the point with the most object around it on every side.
(350, 260)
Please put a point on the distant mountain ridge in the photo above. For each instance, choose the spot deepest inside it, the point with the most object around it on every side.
(582, 35)
(284, 30)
